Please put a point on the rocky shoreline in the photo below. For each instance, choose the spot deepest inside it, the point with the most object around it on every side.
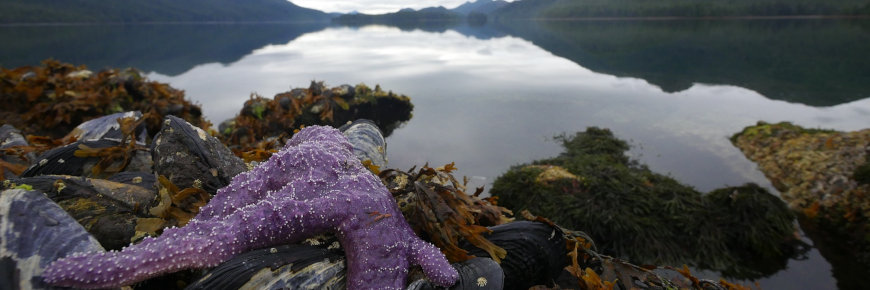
(122, 163)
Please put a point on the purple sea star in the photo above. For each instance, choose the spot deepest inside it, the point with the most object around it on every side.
(313, 185)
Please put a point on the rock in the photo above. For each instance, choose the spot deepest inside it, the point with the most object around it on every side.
(820, 174)
(189, 157)
(108, 210)
(644, 217)
(34, 231)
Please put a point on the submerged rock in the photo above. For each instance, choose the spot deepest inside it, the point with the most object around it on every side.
(34, 231)
(645, 217)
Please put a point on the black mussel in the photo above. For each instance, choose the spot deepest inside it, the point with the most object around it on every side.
(536, 252)
(367, 140)
(34, 231)
(89, 159)
(145, 180)
(190, 157)
(282, 267)
(108, 127)
(109, 210)
(477, 273)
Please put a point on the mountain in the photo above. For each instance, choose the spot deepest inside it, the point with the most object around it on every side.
(480, 6)
(403, 17)
(550, 9)
(138, 11)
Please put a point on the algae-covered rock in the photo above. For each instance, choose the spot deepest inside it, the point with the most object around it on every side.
(249, 133)
(634, 213)
(822, 175)
(51, 99)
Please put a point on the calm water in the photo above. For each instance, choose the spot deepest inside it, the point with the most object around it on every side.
(492, 97)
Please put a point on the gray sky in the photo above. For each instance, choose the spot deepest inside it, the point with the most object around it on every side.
(374, 6)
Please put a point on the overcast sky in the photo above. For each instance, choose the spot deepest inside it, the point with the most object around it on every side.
(374, 6)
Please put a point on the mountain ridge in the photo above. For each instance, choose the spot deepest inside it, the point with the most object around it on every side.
(145, 11)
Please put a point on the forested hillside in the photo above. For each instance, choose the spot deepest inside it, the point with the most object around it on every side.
(133, 11)
(679, 8)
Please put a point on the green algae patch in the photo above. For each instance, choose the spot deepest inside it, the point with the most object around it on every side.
(649, 218)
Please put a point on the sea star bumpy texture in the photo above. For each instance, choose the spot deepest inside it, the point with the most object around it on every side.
(313, 185)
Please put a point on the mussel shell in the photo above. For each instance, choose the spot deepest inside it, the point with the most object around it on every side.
(62, 160)
(536, 252)
(107, 127)
(184, 154)
(10, 137)
(367, 140)
(145, 180)
(108, 210)
(282, 267)
(34, 231)
(477, 273)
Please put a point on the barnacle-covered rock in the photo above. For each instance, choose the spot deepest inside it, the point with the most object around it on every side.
(819, 173)
(477, 273)
(34, 231)
(368, 142)
(281, 267)
(191, 158)
(12, 165)
(108, 210)
(644, 217)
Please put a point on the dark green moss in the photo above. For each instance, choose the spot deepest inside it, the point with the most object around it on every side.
(649, 218)
(862, 173)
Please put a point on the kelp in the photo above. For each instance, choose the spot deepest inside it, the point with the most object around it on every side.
(650, 218)
(823, 176)
(262, 124)
(438, 208)
(51, 99)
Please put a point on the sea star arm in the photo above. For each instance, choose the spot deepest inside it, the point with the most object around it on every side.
(200, 244)
(430, 258)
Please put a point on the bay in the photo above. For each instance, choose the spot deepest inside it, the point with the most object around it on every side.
(493, 96)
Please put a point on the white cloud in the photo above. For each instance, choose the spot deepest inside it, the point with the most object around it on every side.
(373, 6)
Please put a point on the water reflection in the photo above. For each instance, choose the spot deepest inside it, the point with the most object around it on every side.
(169, 49)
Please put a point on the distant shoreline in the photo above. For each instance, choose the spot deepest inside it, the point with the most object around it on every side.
(154, 23)
(666, 18)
